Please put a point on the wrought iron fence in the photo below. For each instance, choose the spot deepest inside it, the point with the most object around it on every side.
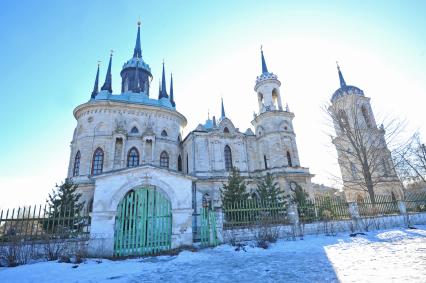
(382, 205)
(43, 222)
(323, 208)
(252, 212)
(415, 202)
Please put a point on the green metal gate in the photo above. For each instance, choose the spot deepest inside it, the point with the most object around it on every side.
(143, 224)
(208, 232)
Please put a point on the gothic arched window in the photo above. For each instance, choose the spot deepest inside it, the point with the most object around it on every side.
(226, 130)
(266, 163)
(134, 130)
(90, 205)
(290, 164)
(179, 165)
(343, 120)
(76, 169)
(228, 158)
(164, 133)
(126, 84)
(187, 164)
(385, 168)
(164, 160)
(366, 116)
(98, 161)
(133, 157)
(354, 171)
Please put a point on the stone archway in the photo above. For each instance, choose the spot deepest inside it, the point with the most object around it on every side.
(143, 223)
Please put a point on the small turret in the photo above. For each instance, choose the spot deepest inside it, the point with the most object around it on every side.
(222, 115)
(108, 78)
(264, 68)
(96, 86)
(163, 92)
(172, 101)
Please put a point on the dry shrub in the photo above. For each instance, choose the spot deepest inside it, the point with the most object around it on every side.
(265, 232)
(16, 252)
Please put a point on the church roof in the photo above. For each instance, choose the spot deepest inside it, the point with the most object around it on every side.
(135, 98)
(344, 88)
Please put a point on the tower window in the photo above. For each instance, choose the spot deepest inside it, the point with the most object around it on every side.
(187, 164)
(266, 162)
(134, 130)
(90, 205)
(76, 169)
(164, 160)
(366, 116)
(226, 130)
(98, 161)
(275, 98)
(385, 168)
(126, 84)
(164, 133)
(133, 157)
(354, 171)
(290, 164)
(343, 120)
(228, 158)
(179, 165)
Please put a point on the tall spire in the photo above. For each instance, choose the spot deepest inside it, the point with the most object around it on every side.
(264, 68)
(163, 92)
(108, 79)
(223, 111)
(341, 79)
(96, 86)
(172, 101)
(137, 53)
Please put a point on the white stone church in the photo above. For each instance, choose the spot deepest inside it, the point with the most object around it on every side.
(133, 141)
(143, 180)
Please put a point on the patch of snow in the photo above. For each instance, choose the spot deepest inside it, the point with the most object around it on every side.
(396, 255)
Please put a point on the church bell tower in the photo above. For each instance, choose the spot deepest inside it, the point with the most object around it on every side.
(276, 139)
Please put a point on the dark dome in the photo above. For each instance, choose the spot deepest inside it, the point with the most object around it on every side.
(346, 90)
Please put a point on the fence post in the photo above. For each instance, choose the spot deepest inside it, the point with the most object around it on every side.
(403, 211)
(293, 215)
(354, 213)
(219, 224)
(353, 210)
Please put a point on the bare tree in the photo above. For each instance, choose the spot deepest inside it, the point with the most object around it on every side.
(410, 160)
(362, 146)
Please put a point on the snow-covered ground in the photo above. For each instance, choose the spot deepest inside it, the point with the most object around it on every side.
(396, 255)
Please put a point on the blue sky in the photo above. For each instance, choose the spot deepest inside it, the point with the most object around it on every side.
(50, 49)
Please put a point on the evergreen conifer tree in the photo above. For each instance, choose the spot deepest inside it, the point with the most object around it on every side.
(235, 190)
(64, 205)
(268, 190)
(305, 205)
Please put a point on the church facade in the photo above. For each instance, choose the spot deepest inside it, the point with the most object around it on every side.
(129, 155)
